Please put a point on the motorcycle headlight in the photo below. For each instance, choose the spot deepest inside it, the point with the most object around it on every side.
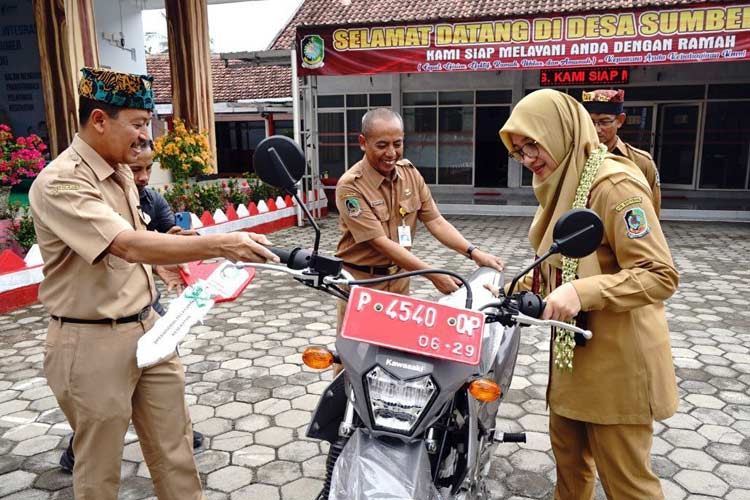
(397, 404)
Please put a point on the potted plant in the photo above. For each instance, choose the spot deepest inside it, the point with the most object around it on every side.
(185, 153)
(20, 158)
(16, 229)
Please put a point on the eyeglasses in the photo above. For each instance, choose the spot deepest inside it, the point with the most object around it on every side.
(604, 122)
(529, 150)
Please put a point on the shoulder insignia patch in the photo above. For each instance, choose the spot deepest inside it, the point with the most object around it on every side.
(634, 200)
(636, 223)
(352, 206)
(63, 186)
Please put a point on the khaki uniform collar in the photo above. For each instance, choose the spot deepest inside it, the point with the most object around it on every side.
(101, 168)
(374, 178)
(620, 148)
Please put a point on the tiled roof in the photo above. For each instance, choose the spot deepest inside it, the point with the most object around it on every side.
(335, 12)
(230, 83)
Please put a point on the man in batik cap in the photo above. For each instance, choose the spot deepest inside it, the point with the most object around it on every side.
(98, 290)
(606, 108)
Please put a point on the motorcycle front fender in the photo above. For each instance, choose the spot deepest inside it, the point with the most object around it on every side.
(375, 469)
(329, 413)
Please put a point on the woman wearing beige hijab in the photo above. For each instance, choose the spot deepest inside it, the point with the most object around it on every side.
(603, 394)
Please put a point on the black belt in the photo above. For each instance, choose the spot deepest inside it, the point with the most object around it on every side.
(142, 315)
(379, 270)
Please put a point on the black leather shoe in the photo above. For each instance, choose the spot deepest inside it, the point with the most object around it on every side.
(198, 439)
(67, 459)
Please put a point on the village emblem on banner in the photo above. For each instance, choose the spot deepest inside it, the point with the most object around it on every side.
(313, 52)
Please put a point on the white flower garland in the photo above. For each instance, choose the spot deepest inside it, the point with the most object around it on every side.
(565, 339)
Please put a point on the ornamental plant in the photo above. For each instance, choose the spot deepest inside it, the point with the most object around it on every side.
(22, 225)
(20, 157)
(184, 196)
(185, 153)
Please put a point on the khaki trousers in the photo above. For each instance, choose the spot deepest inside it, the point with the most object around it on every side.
(92, 371)
(621, 454)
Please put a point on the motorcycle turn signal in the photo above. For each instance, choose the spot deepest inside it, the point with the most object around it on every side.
(485, 390)
(318, 358)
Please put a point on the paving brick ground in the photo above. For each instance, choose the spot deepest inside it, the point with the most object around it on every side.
(251, 396)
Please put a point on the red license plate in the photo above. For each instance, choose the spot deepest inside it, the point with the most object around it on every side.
(413, 325)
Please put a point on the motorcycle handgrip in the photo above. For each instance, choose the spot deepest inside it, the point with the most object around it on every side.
(296, 258)
(282, 253)
(531, 304)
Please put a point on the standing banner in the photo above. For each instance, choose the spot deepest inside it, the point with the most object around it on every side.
(710, 33)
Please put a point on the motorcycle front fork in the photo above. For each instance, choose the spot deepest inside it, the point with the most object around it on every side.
(346, 427)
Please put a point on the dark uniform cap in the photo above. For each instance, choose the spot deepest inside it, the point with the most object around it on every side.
(123, 90)
(608, 102)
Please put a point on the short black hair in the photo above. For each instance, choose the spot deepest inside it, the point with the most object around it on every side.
(86, 106)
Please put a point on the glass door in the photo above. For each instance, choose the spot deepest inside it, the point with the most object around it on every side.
(332, 144)
(638, 129)
(677, 144)
(490, 155)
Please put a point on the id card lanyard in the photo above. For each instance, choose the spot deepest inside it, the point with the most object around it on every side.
(404, 231)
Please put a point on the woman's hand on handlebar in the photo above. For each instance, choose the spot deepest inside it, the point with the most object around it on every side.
(484, 259)
(563, 304)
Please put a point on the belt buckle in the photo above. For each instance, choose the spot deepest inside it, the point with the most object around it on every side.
(144, 313)
(392, 269)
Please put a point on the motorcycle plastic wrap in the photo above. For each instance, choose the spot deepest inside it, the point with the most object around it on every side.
(372, 469)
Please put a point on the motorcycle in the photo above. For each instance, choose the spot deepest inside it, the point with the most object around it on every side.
(412, 415)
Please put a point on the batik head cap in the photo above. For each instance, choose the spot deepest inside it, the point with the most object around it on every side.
(123, 90)
(607, 102)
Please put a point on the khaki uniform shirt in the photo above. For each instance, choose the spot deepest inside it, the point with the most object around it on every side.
(644, 162)
(370, 206)
(625, 373)
(80, 204)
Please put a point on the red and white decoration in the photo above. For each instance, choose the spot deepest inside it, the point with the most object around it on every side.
(20, 278)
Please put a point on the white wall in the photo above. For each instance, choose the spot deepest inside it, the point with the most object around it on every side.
(113, 17)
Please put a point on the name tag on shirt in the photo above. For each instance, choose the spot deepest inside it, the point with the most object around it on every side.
(404, 236)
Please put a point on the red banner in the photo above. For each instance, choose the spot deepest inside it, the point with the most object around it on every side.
(714, 33)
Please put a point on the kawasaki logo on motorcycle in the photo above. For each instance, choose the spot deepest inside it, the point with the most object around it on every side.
(406, 366)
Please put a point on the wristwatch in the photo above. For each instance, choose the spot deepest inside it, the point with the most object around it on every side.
(469, 250)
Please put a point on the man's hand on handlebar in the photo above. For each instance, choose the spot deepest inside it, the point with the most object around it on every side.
(563, 304)
(484, 259)
(444, 283)
(247, 247)
(495, 291)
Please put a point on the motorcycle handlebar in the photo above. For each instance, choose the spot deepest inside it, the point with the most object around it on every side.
(531, 304)
(282, 253)
(296, 258)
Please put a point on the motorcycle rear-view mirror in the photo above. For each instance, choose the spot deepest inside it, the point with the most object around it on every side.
(279, 161)
(577, 233)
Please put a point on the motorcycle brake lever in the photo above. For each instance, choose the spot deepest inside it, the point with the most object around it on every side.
(528, 320)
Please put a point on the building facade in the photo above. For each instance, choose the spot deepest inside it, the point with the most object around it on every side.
(454, 73)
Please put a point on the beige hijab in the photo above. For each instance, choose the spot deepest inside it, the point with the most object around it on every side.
(563, 127)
